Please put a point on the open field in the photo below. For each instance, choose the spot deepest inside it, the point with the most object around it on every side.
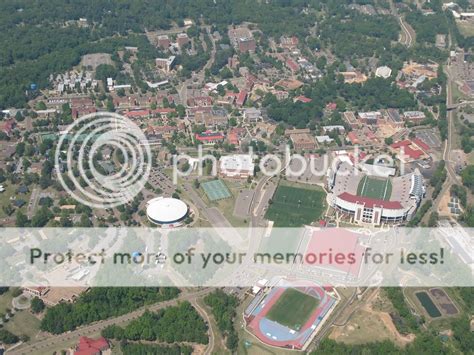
(466, 28)
(293, 309)
(380, 189)
(24, 323)
(294, 206)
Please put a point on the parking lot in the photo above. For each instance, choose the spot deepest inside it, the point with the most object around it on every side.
(430, 137)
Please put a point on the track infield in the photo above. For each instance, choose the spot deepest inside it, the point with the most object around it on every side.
(298, 316)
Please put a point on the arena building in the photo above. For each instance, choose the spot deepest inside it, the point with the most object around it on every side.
(375, 200)
(165, 211)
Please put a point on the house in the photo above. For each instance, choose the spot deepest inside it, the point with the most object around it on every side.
(89, 346)
(209, 137)
(383, 72)
(394, 118)
(324, 139)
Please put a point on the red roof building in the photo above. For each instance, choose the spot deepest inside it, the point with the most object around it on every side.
(421, 144)
(302, 99)
(352, 137)
(89, 346)
(209, 137)
(8, 126)
(241, 98)
(331, 106)
(292, 65)
(370, 202)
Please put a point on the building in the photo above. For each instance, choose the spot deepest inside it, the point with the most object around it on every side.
(252, 115)
(166, 211)
(408, 151)
(303, 141)
(351, 119)
(182, 39)
(165, 64)
(164, 41)
(213, 119)
(370, 117)
(396, 204)
(89, 346)
(236, 166)
(394, 118)
(414, 116)
(337, 128)
(383, 72)
(242, 39)
(209, 137)
(241, 98)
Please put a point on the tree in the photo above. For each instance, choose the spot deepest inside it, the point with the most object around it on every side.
(21, 219)
(37, 305)
(467, 176)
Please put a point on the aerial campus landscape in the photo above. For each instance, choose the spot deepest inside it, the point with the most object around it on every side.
(311, 138)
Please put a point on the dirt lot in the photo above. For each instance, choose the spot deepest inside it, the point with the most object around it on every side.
(371, 322)
(94, 60)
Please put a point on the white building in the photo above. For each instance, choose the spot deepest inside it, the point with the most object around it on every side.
(239, 166)
(383, 72)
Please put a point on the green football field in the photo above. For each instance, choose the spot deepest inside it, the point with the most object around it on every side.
(293, 309)
(380, 189)
(295, 207)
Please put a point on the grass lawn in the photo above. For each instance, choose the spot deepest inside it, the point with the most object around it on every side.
(293, 309)
(23, 323)
(375, 188)
(6, 301)
(294, 206)
(466, 28)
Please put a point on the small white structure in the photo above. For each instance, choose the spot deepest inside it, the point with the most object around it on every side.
(236, 166)
(383, 72)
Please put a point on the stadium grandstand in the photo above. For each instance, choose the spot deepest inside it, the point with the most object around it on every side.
(375, 200)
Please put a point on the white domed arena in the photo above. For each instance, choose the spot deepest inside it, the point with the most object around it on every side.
(166, 211)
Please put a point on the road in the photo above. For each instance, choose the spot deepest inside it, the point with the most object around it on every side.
(407, 37)
(204, 315)
(452, 177)
(58, 341)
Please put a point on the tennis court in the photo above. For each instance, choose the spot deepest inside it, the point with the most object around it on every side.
(380, 189)
(216, 190)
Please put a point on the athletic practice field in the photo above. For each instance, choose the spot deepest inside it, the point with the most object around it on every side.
(294, 207)
(380, 189)
(216, 190)
(293, 309)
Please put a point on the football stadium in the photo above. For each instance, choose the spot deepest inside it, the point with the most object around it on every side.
(289, 314)
(371, 199)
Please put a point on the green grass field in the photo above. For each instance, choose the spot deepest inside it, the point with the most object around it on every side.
(293, 309)
(380, 189)
(295, 207)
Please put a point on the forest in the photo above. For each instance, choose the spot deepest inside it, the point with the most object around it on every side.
(101, 303)
(176, 324)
